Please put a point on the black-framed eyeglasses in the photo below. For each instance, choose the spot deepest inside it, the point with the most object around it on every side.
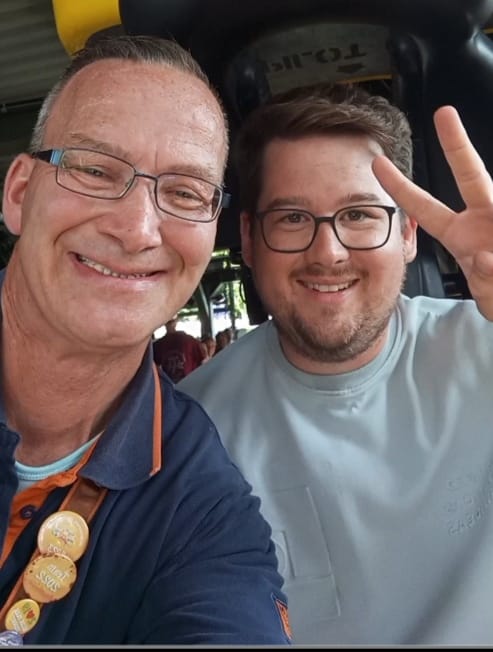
(104, 176)
(361, 227)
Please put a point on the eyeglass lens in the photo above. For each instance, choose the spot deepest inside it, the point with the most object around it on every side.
(101, 175)
(358, 227)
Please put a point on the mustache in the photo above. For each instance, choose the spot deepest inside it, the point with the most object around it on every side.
(321, 271)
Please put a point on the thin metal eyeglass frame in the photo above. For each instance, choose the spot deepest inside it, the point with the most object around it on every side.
(54, 157)
(331, 219)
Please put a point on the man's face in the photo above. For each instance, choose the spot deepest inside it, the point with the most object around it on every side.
(331, 304)
(107, 273)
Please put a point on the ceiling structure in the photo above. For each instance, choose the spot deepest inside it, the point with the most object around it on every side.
(31, 59)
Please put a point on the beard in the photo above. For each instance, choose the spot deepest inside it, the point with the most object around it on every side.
(331, 336)
(322, 343)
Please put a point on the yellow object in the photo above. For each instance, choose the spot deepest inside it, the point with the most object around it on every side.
(49, 577)
(77, 20)
(22, 616)
(64, 533)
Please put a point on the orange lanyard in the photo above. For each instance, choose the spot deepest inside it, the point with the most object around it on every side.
(85, 497)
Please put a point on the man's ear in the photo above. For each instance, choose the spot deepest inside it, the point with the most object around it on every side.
(409, 235)
(246, 228)
(14, 190)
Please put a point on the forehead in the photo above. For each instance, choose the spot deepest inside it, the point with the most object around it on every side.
(144, 110)
(334, 149)
(313, 169)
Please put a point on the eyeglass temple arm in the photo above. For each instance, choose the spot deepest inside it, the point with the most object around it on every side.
(52, 156)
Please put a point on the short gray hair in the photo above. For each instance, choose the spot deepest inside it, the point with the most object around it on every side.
(139, 48)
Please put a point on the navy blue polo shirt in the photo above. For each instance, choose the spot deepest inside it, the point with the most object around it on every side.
(178, 552)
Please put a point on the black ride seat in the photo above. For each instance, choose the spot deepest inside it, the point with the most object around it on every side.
(423, 55)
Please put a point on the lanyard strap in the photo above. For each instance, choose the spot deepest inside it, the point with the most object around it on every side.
(84, 498)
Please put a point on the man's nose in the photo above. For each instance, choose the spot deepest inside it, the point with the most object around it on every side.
(136, 220)
(326, 247)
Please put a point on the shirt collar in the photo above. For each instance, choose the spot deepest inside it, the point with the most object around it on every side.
(129, 451)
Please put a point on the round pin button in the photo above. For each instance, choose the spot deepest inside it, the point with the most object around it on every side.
(65, 533)
(22, 615)
(49, 577)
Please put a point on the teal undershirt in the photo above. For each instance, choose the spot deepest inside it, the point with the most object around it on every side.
(28, 475)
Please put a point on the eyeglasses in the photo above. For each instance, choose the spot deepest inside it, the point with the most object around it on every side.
(104, 176)
(362, 227)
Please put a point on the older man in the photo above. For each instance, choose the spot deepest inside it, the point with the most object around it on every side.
(123, 521)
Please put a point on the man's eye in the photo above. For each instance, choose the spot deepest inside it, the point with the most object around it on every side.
(355, 215)
(94, 172)
(183, 198)
(293, 217)
(188, 194)
(85, 169)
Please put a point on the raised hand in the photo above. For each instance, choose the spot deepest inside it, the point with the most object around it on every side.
(467, 235)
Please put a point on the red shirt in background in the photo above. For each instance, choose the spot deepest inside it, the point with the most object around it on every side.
(178, 354)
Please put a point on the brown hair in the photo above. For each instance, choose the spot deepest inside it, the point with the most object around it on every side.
(318, 109)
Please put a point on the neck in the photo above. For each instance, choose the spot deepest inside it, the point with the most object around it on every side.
(58, 407)
(57, 399)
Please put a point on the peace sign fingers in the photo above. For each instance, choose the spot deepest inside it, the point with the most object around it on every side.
(470, 174)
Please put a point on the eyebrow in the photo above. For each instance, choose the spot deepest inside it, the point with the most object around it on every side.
(282, 202)
(361, 197)
(80, 140)
(303, 202)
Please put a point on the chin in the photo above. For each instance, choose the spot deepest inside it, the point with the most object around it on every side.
(112, 334)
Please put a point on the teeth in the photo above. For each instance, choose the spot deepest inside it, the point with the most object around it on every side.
(106, 271)
(319, 287)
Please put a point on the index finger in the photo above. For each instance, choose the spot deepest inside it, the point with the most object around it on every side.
(429, 212)
(469, 171)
